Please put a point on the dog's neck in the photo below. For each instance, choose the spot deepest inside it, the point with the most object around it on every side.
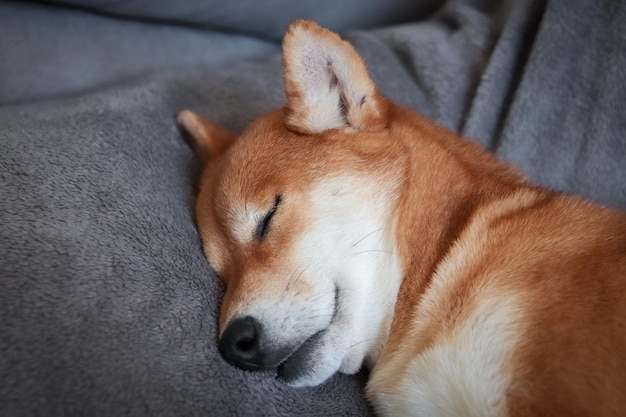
(446, 180)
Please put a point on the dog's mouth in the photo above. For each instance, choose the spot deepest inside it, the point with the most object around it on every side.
(297, 364)
(242, 344)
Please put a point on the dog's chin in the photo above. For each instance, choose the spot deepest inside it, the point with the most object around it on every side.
(311, 364)
(315, 361)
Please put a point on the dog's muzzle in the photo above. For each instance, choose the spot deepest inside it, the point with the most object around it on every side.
(245, 345)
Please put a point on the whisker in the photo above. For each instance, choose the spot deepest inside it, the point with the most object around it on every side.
(366, 236)
(317, 316)
(311, 298)
(294, 279)
(364, 341)
(375, 250)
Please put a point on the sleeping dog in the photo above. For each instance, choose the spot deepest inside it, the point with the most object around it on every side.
(349, 230)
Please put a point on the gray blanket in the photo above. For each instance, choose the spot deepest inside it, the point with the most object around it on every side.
(107, 305)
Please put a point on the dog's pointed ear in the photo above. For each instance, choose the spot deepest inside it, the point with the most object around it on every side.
(206, 139)
(327, 83)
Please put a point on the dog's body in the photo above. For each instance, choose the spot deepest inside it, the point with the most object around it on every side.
(351, 230)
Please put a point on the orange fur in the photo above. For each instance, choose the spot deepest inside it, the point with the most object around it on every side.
(469, 232)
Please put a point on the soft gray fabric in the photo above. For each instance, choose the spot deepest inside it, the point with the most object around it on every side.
(107, 306)
(542, 86)
(267, 18)
(45, 53)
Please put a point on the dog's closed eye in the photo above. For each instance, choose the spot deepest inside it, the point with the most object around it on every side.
(264, 224)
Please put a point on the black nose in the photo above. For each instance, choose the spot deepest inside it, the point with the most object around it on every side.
(241, 344)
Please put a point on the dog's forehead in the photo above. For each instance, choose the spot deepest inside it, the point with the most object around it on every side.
(268, 159)
(247, 180)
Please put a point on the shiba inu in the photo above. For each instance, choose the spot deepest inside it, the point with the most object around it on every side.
(350, 231)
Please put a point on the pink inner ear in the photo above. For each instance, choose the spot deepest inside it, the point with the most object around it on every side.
(327, 83)
(315, 68)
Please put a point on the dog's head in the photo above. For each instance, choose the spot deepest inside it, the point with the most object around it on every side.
(296, 217)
